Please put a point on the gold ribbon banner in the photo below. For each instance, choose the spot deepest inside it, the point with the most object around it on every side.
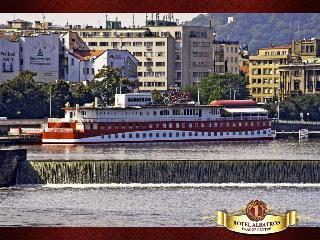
(270, 224)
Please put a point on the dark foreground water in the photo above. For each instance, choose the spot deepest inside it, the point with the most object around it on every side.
(145, 205)
(269, 150)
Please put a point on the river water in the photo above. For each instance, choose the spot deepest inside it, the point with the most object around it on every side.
(157, 205)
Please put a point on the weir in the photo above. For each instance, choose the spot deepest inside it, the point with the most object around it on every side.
(168, 171)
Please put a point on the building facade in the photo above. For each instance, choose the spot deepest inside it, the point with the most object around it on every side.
(264, 76)
(40, 54)
(300, 77)
(226, 57)
(306, 48)
(9, 59)
(82, 65)
(168, 54)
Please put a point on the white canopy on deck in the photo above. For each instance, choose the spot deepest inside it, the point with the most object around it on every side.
(246, 110)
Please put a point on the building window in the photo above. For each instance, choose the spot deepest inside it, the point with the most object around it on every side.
(103, 44)
(93, 44)
(160, 43)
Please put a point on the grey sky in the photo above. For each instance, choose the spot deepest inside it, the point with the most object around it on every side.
(95, 19)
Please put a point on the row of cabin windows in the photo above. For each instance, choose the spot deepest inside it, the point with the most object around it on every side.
(181, 125)
(183, 134)
(182, 112)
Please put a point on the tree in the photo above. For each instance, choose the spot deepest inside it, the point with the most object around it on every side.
(222, 87)
(22, 97)
(157, 97)
(109, 81)
(81, 94)
(60, 95)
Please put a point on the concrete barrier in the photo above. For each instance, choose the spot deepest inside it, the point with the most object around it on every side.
(9, 160)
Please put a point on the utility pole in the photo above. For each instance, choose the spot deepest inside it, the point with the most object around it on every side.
(50, 102)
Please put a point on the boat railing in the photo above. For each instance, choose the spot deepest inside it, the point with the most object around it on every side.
(199, 119)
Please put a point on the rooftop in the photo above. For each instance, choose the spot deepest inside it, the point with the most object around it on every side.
(276, 47)
(85, 55)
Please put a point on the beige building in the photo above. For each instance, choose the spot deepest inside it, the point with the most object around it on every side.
(264, 76)
(226, 56)
(169, 54)
(306, 48)
(300, 77)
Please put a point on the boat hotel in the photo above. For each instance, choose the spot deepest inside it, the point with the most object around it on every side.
(134, 118)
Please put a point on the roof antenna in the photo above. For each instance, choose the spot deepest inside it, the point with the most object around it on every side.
(133, 20)
(146, 19)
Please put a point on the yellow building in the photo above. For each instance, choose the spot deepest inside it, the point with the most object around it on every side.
(264, 76)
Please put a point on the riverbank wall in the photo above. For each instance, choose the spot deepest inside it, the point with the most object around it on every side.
(9, 160)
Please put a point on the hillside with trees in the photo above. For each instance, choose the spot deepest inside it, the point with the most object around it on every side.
(261, 29)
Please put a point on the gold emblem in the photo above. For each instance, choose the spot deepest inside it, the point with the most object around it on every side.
(255, 218)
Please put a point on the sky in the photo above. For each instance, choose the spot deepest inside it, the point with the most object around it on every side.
(93, 19)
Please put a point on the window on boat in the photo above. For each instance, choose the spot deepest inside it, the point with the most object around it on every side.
(164, 134)
(170, 134)
(190, 134)
(177, 134)
(170, 125)
(116, 135)
(177, 125)
(150, 135)
(264, 132)
(130, 135)
(164, 125)
(183, 134)
(157, 134)
(258, 132)
(252, 132)
(154, 113)
(150, 125)
(196, 133)
(144, 135)
(109, 135)
(137, 135)
(209, 134)
(123, 135)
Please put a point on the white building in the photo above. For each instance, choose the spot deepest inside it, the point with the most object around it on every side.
(9, 59)
(84, 64)
(40, 54)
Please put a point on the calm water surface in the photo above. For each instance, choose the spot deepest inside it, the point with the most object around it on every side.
(269, 150)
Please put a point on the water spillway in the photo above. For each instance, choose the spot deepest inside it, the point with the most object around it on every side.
(168, 171)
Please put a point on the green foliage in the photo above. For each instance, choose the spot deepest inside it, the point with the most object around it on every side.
(309, 105)
(108, 82)
(262, 29)
(157, 97)
(222, 87)
(22, 97)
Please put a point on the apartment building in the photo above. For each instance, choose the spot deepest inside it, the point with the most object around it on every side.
(300, 77)
(226, 56)
(169, 54)
(264, 76)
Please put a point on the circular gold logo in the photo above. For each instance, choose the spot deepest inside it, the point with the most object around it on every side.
(256, 210)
